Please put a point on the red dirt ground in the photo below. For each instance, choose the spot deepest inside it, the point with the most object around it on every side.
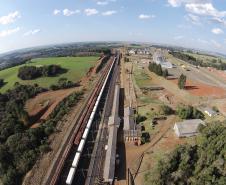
(199, 89)
(34, 105)
(218, 72)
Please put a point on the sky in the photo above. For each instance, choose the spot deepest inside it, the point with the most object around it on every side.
(199, 24)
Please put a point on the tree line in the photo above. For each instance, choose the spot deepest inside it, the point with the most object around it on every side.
(157, 69)
(21, 145)
(200, 163)
(218, 64)
(33, 72)
(63, 83)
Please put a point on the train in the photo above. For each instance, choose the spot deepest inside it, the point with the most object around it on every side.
(82, 135)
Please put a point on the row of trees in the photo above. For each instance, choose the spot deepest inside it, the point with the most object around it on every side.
(32, 72)
(218, 64)
(63, 83)
(157, 69)
(202, 163)
(103, 62)
(21, 145)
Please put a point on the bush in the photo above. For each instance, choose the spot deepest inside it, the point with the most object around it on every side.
(166, 110)
(1, 82)
(140, 118)
(145, 137)
(63, 83)
(157, 69)
(189, 112)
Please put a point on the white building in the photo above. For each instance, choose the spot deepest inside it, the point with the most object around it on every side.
(132, 52)
(129, 123)
(158, 58)
(187, 128)
(210, 112)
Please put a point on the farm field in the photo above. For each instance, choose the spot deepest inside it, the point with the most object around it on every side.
(77, 68)
(205, 58)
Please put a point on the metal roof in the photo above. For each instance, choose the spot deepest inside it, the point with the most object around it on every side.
(189, 126)
(109, 166)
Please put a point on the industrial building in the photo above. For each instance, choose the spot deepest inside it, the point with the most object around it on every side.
(129, 123)
(132, 132)
(113, 125)
(158, 58)
(187, 128)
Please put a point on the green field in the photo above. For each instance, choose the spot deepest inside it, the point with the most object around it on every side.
(77, 68)
(205, 58)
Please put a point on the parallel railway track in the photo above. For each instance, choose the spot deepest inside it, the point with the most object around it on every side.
(73, 139)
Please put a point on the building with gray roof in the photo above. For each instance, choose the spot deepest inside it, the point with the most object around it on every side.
(187, 128)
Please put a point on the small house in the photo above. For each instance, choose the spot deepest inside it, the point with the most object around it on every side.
(187, 128)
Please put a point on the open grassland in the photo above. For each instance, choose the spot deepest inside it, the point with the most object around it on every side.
(77, 67)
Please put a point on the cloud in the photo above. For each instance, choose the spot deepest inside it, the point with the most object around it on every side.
(90, 11)
(10, 18)
(32, 32)
(68, 12)
(202, 41)
(108, 13)
(144, 16)
(217, 31)
(6, 33)
(193, 19)
(179, 37)
(178, 3)
(56, 12)
(102, 3)
(218, 21)
(216, 44)
(206, 9)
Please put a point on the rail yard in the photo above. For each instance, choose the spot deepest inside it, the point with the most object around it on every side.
(81, 160)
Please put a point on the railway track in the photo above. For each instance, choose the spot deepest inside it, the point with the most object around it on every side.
(95, 171)
(56, 173)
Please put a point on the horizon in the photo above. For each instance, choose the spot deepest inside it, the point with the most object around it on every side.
(195, 24)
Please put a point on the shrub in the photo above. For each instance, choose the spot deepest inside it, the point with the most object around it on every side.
(166, 110)
(157, 69)
(189, 112)
(140, 118)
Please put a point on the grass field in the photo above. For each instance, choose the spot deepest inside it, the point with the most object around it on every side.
(205, 58)
(77, 68)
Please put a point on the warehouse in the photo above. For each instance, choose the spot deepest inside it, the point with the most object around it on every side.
(128, 119)
(158, 58)
(187, 128)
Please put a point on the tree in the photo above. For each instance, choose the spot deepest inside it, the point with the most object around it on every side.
(182, 81)
(165, 73)
(189, 112)
(198, 163)
(1, 82)
(166, 110)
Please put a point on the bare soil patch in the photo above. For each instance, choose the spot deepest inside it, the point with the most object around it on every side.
(199, 89)
(47, 100)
